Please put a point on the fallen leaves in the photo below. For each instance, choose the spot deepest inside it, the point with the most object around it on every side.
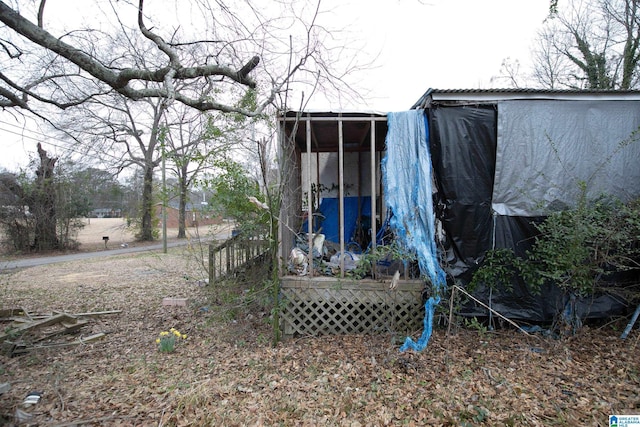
(227, 374)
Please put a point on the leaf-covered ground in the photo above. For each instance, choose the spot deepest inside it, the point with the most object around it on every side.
(227, 373)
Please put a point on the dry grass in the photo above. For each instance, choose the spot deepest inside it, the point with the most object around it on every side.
(115, 228)
(91, 235)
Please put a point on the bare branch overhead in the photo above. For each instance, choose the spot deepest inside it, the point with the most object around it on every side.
(130, 81)
(220, 55)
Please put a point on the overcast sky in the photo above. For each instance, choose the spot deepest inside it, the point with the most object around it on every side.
(419, 44)
(441, 44)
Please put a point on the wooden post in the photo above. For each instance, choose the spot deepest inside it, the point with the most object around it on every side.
(341, 195)
(372, 177)
(309, 199)
(211, 264)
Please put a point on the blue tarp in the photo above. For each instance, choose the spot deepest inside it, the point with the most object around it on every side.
(408, 190)
(330, 224)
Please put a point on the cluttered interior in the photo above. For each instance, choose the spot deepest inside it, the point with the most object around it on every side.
(333, 217)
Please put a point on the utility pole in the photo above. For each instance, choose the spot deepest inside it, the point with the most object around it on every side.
(164, 202)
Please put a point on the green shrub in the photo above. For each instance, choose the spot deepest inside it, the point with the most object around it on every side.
(576, 249)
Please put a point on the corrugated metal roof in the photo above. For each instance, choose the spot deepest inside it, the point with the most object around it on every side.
(536, 91)
(494, 95)
(302, 115)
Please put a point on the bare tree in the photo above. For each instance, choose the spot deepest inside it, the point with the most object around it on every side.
(142, 149)
(122, 134)
(212, 48)
(509, 73)
(550, 69)
(109, 74)
(626, 15)
(191, 141)
(590, 44)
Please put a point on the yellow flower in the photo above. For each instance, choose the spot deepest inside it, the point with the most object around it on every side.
(184, 337)
(164, 333)
(157, 340)
(176, 333)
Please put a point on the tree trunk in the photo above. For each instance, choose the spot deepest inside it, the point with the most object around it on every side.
(146, 226)
(182, 217)
(43, 206)
(631, 51)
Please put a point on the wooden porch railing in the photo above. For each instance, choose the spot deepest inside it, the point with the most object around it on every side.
(235, 254)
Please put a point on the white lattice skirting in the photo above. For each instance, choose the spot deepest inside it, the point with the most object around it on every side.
(327, 305)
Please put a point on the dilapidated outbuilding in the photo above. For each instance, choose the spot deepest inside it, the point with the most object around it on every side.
(482, 165)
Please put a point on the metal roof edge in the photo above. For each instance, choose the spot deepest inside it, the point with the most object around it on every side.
(495, 95)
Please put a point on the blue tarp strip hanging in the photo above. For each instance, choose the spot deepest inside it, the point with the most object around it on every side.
(408, 190)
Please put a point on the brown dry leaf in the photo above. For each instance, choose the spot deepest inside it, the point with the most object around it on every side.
(226, 373)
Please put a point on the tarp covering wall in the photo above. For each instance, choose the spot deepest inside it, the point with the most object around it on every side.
(487, 158)
(545, 148)
(329, 222)
(463, 146)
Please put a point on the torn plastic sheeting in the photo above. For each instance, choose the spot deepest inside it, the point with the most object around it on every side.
(463, 145)
(408, 189)
(429, 312)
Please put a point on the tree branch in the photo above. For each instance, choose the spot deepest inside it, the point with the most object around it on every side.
(41, 13)
(119, 80)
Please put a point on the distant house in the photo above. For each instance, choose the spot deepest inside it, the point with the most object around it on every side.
(194, 217)
(106, 213)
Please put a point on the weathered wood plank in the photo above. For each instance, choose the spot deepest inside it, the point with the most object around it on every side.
(20, 347)
(8, 313)
(97, 313)
(327, 282)
(52, 320)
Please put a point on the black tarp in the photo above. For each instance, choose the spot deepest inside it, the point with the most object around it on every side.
(463, 149)
(463, 141)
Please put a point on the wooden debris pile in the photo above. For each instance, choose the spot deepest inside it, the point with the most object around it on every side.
(22, 332)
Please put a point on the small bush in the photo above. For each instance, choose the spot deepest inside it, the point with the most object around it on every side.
(584, 251)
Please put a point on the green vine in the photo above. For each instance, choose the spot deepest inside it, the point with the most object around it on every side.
(387, 253)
